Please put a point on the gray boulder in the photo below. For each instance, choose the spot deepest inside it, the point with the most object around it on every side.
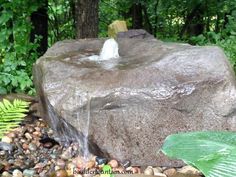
(133, 103)
(135, 33)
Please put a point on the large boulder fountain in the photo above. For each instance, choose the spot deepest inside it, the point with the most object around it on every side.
(125, 107)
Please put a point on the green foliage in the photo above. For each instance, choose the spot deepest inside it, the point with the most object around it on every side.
(213, 153)
(228, 44)
(17, 53)
(226, 39)
(11, 114)
(61, 20)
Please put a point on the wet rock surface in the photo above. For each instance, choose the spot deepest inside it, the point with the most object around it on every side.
(134, 102)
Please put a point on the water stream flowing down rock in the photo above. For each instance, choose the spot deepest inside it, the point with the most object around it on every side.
(152, 90)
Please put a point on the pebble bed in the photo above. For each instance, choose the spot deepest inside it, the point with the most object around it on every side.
(31, 151)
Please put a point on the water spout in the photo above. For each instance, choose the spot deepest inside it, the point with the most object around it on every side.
(109, 50)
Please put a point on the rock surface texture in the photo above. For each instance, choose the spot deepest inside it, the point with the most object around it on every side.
(134, 102)
(135, 33)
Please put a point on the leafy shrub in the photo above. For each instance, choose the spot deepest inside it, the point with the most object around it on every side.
(227, 44)
(61, 21)
(17, 53)
(225, 39)
(11, 114)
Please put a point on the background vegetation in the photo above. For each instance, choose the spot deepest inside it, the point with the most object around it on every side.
(28, 28)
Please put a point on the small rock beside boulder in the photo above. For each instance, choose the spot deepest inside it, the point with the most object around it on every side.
(135, 33)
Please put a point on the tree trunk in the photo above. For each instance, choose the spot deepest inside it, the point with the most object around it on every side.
(73, 12)
(194, 22)
(147, 23)
(208, 20)
(39, 21)
(217, 23)
(137, 16)
(156, 19)
(87, 23)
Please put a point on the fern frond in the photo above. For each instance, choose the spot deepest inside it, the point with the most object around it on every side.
(7, 104)
(11, 114)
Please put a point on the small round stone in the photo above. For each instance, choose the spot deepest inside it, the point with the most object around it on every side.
(37, 129)
(113, 163)
(39, 165)
(71, 167)
(21, 157)
(18, 163)
(6, 139)
(2, 153)
(57, 168)
(29, 172)
(27, 152)
(6, 174)
(25, 146)
(170, 172)
(189, 170)
(149, 171)
(61, 163)
(11, 161)
(157, 170)
(67, 154)
(36, 133)
(90, 164)
(11, 135)
(28, 136)
(126, 163)
(50, 132)
(136, 170)
(17, 173)
(77, 175)
(48, 145)
(160, 175)
(128, 169)
(43, 173)
(32, 147)
(23, 140)
(6, 146)
(94, 158)
(30, 129)
(61, 173)
(79, 162)
(101, 160)
(53, 156)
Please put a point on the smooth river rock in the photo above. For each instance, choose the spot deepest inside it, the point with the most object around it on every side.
(134, 102)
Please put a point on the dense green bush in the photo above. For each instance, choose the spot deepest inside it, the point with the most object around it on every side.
(211, 38)
(17, 53)
(225, 39)
(61, 20)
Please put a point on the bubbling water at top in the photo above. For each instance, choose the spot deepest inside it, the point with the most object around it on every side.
(109, 50)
